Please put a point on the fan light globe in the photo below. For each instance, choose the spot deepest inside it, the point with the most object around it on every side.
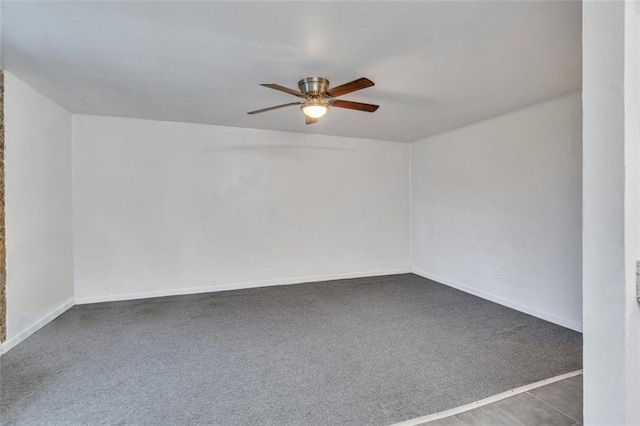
(314, 109)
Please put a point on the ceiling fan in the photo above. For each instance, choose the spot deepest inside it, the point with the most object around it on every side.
(318, 97)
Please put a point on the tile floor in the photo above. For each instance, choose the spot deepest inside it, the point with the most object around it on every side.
(558, 403)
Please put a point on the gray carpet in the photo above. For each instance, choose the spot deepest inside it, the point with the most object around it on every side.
(368, 351)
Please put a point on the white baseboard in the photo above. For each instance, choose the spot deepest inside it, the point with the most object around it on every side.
(502, 301)
(238, 286)
(4, 347)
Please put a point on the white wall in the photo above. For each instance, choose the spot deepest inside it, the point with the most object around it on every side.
(166, 208)
(611, 216)
(496, 209)
(170, 208)
(38, 210)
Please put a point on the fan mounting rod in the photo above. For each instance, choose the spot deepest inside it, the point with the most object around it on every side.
(313, 86)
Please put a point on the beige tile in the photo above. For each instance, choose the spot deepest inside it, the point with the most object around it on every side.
(530, 411)
(567, 399)
(446, 421)
(487, 415)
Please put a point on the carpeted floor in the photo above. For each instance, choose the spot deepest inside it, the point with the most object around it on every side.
(368, 351)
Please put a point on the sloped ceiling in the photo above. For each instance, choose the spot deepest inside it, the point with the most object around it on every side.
(436, 65)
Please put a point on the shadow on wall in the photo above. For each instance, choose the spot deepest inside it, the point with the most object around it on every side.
(3, 258)
(281, 148)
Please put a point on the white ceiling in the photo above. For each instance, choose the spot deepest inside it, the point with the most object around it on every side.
(436, 65)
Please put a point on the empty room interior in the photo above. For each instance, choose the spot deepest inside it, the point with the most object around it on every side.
(312, 213)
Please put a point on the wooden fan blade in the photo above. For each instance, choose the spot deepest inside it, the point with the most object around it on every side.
(354, 105)
(284, 89)
(352, 86)
(273, 107)
(311, 120)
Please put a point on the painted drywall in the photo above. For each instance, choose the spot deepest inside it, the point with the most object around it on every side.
(611, 214)
(168, 208)
(496, 209)
(38, 210)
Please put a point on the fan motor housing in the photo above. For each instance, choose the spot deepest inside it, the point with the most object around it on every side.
(313, 86)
